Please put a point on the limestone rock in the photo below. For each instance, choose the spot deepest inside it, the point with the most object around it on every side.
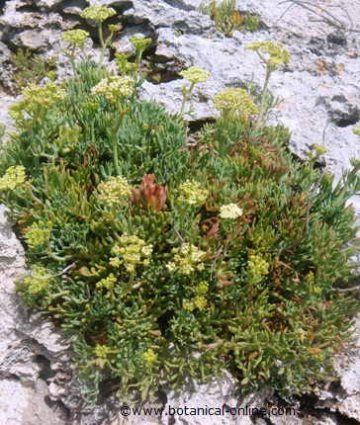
(32, 40)
(49, 3)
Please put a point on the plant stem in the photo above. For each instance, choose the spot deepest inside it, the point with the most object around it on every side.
(264, 92)
(115, 137)
(102, 43)
(186, 97)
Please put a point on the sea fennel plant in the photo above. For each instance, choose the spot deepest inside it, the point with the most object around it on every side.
(163, 262)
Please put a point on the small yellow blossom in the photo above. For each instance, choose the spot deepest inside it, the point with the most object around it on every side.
(200, 302)
(131, 251)
(187, 259)
(114, 28)
(76, 38)
(115, 262)
(38, 234)
(235, 101)
(356, 130)
(115, 191)
(230, 211)
(195, 75)
(38, 280)
(101, 353)
(310, 278)
(150, 356)
(98, 14)
(272, 54)
(202, 288)
(107, 283)
(48, 95)
(258, 268)
(192, 193)
(13, 177)
(141, 43)
(114, 88)
(319, 149)
(188, 305)
(37, 98)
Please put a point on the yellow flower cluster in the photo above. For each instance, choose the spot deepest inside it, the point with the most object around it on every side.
(272, 54)
(235, 101)
(114, 28)
(97, 13)
(114, 88)
(107, 283)
(46, 95)
(187, 259)
(199, 302)
(149, 356)
(38, 234)
(356, 130)
(140, 43)
(195, 75)
(319, 149)
(75, 38)
(38, 280)
(202, 288)
(36, 98)
(115, 191)
(101, 353)
(130, 252)
(13, 177)
(192, 193)
(257, 268)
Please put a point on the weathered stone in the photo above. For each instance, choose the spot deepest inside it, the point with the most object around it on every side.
(342, 112)
(48, 4)
(32, 40)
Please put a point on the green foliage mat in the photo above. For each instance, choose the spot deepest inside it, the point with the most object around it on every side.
(163, 262)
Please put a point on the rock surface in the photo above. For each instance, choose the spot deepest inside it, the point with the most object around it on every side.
(320, 91)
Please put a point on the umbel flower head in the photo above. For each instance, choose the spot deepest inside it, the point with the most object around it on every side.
(114, 88)
(115, 191)
(258, 268)
(107, 283)
(192, 193)
(13, 177)
(140, 43)
(199, 302)
(48, 95)
(149, 356)
(101, 354)
(38, 280)
(235, 101)
(230, 211)
(75, 38)
(187, 259)
(195, 75)
(97, 13)
(38, 234)
(272, 54)
(131, 251)
(319, 149)
(36, 98)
